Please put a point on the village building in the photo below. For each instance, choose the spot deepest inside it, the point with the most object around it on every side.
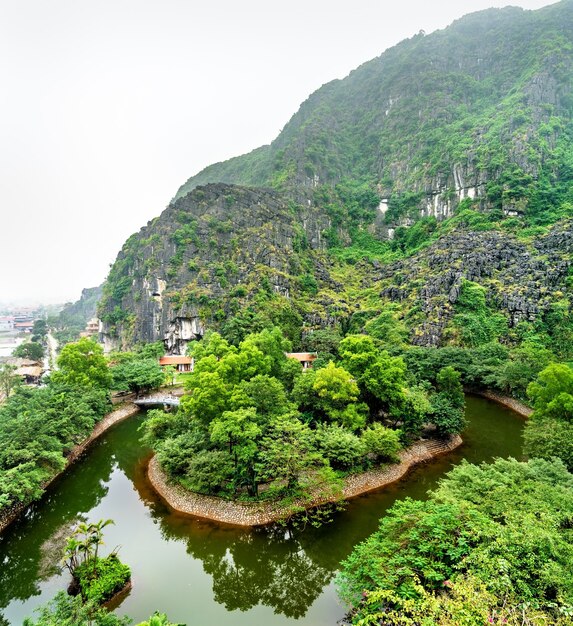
(180, 363)
(92, 328)
(24, 327)
(6, 323)
(29, 371)
(31, 374)
(304, 358)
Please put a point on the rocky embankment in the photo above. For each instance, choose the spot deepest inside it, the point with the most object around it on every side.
(522, 280)
(116, 416)
(262, 513)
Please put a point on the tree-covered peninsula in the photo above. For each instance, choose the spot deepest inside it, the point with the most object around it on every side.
(255, 425)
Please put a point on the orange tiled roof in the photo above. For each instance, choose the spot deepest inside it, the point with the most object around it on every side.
(175, 360)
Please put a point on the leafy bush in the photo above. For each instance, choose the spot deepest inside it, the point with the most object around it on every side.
(209, 471)
(448, 418)
(506, 525)
(38, 427)
(383, 443)
(100, 579)
(342, 448)
(65, 610)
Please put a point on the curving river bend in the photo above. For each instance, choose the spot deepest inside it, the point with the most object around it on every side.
(201, 573)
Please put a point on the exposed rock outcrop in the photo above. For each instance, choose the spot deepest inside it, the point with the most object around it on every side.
(206, 253)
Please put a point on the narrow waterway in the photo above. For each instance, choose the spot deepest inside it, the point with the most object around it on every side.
(201, 573)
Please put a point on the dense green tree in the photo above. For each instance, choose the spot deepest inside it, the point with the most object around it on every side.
(238, 432)
(549, 431)
(30, 350)
(552, 392)
(39, 331)
(416, 541)
(448, 404)
(411, 413)
(448, 418)
(341, 447)
(383, 443)
(524, 364)
(212, 344)
(8, 379)
(82, 364)
(330, 393)
(324, 342)
(209, 471)
(38, 427)
(153, 350)
(176, 451)
(236, 328)
(264, 393)
(380, 377)
(287, 450)
(507, 524)
(137, 375)
(209, 396)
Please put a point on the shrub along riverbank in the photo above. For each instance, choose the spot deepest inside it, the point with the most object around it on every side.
(262, 513)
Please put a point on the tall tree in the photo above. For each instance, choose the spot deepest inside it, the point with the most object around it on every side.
(82, 364)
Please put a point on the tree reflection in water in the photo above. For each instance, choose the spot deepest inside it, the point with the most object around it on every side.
(23, 545)
(252, 567)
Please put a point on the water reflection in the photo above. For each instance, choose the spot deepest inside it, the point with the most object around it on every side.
(30, 548)
(201, 572)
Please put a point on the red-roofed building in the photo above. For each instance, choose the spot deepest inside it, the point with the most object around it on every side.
(24, 326)
(180, 363)
(304, 358)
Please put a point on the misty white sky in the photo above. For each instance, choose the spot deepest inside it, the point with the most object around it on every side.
(108, 106)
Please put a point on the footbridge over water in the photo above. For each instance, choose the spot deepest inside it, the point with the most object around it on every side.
(163, 400)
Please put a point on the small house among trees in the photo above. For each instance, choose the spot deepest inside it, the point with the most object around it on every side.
(180, 363)
(304, 358)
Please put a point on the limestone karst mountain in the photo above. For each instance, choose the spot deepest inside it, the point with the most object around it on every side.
(433, 182)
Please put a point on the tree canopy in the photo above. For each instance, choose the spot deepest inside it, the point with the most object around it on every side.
(82, 364)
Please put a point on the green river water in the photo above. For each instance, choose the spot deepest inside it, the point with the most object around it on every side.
(202, 573)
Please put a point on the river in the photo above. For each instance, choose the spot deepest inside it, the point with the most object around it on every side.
(201, 573)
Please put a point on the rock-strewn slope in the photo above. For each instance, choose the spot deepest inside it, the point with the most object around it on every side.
(522, 280)
(475, 118)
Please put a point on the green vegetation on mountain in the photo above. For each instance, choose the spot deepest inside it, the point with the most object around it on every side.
(72, 319)
(486, 102)
(445, 163)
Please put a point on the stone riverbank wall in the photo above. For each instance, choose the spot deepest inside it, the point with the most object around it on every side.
(511, 403)
(109, 420)
(262, 513)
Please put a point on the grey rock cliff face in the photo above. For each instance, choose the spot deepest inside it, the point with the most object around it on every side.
(179, 270)
(522, 281)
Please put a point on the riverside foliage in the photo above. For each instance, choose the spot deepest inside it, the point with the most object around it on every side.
(38, 428)
(492, 544)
